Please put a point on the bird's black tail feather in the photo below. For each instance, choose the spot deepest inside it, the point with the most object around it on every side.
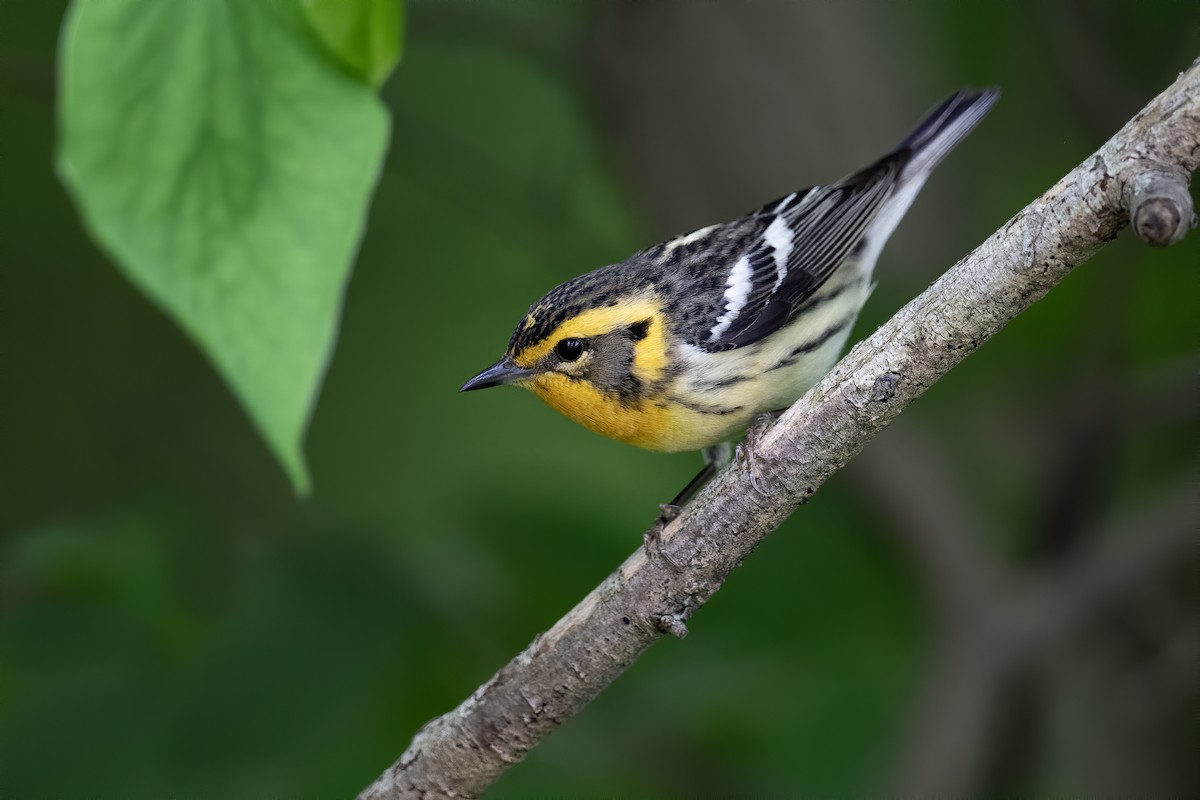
(943, 128)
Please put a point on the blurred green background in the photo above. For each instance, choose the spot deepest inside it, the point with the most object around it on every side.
(174, 622)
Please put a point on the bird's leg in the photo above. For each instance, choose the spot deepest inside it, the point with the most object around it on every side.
(745, 449)
(715, 457)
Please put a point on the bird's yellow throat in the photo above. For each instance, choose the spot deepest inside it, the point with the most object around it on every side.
(639, 421)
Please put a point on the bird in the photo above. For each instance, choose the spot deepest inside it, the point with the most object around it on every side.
(683, 345)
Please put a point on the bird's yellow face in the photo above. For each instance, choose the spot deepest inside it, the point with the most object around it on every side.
(603, 367)
(638, 321)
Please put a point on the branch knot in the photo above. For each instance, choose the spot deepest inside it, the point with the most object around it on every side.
(1160, 206)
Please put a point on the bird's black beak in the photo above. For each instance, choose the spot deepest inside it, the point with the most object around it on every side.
(503, 371)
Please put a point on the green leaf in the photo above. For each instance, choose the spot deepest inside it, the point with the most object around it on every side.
(364, 35)
(226, 167)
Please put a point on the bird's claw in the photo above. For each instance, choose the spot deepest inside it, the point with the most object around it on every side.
(652, 539)
(744, 454)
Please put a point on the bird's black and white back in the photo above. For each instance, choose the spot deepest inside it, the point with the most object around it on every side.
(780, 255)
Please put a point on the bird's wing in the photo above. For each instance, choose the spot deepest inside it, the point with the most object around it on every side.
(802, 239)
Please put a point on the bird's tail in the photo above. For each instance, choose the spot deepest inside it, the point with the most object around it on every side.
(943, 128)
(933, 138)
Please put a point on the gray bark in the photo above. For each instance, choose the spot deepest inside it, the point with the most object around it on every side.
(1141, 174)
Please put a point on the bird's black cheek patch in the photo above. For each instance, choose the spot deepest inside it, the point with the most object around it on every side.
(639, 330)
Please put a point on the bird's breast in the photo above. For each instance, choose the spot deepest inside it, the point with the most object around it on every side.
(641, 422)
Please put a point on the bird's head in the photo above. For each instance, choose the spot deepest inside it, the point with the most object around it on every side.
(588, 352)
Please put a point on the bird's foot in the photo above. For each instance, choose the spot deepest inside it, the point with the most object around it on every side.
(745, 455)
(652, 539)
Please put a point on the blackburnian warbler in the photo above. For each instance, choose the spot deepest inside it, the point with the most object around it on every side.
(680, 346)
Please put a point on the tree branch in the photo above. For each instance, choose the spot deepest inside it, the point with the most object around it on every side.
(463, 752)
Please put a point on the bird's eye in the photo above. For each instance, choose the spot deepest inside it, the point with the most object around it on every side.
(569, 349)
